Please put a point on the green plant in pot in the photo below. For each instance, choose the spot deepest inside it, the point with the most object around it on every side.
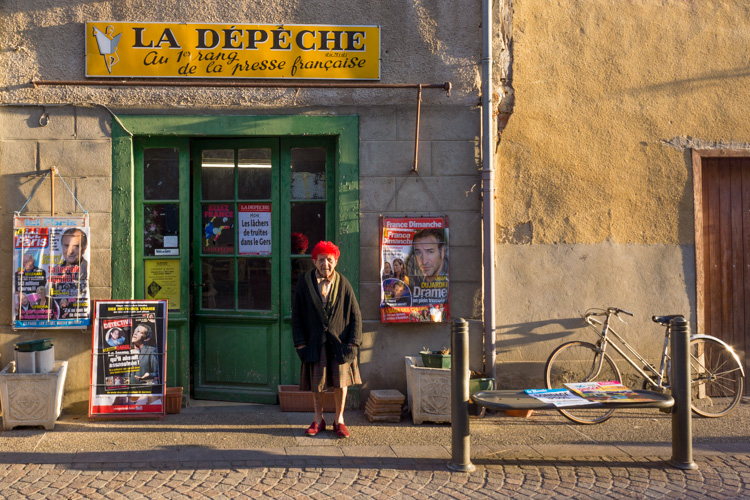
(436, 359)
(479, 382)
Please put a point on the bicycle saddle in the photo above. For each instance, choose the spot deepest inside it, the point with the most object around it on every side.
(664, 320)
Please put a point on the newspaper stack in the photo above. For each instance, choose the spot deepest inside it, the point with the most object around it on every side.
(384, 406)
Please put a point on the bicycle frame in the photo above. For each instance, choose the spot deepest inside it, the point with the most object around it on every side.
(604, 340)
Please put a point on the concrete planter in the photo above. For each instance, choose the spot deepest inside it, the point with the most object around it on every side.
(428, 392)
(32, 398)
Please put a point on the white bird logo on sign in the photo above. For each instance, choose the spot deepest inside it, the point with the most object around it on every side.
(108, 46)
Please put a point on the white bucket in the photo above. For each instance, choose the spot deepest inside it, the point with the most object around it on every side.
(45, 360)
(25, 361)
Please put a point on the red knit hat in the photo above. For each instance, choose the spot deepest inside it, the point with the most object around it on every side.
(326, 247)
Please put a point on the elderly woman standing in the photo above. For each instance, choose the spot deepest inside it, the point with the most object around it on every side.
(327, 331)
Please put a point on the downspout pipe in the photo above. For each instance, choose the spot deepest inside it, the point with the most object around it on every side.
(488, 193)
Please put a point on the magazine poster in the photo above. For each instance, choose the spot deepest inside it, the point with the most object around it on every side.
(51, 258)
(558, 397)
(606, 392)
(128, 362)
(414, 277)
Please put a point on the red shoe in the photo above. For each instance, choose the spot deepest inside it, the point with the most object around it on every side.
(316, 428)
(341, 430)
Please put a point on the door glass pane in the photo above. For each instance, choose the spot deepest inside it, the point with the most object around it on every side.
(254, 284)
(300, 265)
(254, 173)
(217, 174)
(218, 283)
(309, 219)
(161, 174)
(161, 224)
(218, 228)
(308, 173)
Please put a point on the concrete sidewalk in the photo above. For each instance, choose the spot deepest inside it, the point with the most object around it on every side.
(226, 450)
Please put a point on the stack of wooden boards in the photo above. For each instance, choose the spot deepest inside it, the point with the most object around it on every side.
(384, 406)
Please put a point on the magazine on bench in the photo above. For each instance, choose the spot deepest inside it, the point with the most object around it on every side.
(558, 397)
(607, 392)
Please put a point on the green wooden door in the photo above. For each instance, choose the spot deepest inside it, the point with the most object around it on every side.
(255, 203)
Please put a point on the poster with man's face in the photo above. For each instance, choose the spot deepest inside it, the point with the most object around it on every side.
(128, 365)
(414, 278)
(51, 270)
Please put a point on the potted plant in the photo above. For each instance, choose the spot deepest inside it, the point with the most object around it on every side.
(436, 359)
(479, 382)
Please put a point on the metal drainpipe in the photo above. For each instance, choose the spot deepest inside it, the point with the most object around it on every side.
(488, 192)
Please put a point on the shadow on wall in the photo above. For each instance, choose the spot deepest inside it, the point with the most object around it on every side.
(511, 337)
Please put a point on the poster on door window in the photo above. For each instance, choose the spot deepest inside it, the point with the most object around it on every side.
(50, 272)
(162, 281)
(414, 278)
(218, 228)
(255, 228)
(128, 358)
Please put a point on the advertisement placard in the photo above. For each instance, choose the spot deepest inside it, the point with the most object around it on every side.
(255, 228)
(128, 358)
(51, 258)
(162, 279)
(218, 228)
(414, 277)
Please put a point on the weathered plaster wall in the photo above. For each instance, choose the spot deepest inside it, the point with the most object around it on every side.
(76, 141)
(422, 42)
(595, 188)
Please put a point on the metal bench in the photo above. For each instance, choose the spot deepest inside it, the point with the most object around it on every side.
(682, 440)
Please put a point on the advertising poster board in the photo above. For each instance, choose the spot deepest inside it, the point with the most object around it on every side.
(414, 277)
(128, 358)
(51, 256)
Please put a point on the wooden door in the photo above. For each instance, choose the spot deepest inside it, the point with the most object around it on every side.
(725, 253)
(235, 261)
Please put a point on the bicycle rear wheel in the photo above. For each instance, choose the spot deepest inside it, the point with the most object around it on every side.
(579, 362)
(716, 378)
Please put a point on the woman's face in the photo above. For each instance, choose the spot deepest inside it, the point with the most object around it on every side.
(387, 268)
(397, 267)
(325, 263)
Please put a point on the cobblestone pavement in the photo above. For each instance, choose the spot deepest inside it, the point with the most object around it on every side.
(259, 451)
(723, 476)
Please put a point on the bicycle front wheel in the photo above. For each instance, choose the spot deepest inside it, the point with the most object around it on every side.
(580, 362)
(716, 378)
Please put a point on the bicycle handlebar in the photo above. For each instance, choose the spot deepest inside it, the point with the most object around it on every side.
(615, 310)
(602, 312)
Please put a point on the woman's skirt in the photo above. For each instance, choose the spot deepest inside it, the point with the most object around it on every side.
(319, 376)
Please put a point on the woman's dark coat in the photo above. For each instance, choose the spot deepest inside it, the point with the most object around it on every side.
(343, 317)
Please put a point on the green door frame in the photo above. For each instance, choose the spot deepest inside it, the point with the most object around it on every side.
(345, 129)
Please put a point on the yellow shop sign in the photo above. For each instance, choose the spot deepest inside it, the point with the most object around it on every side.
(288, 51)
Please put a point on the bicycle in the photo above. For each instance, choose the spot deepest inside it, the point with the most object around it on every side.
(717, 376)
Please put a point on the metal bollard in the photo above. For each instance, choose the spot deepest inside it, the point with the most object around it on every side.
(460, 435)
(682, 430)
